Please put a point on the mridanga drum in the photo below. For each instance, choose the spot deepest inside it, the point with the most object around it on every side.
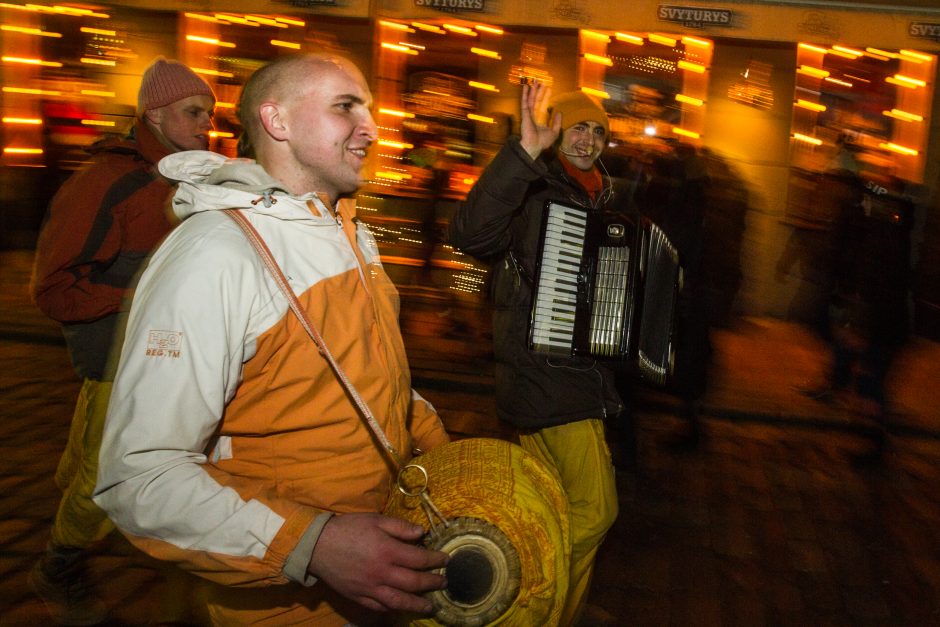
(506, 533)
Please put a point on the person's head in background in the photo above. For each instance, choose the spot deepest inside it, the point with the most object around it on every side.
(584, 128)
(177, 105)
(308, 123)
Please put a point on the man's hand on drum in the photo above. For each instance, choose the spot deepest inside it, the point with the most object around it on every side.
(534, 135)
(373, 560)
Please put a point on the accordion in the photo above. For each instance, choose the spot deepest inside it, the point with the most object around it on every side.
(606, 289)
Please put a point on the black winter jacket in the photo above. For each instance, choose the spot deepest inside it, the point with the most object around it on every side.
(500, 222)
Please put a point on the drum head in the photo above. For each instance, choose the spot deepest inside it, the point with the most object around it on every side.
(507, 534)
(482, 575)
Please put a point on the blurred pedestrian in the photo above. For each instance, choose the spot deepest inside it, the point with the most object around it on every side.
(99, 228)
(559, 403)
(870, 315)
(232, 445)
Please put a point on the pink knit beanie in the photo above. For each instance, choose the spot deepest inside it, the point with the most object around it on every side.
(165, 82)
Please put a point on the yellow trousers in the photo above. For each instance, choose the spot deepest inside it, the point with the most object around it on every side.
(579, 453)
(78, 521)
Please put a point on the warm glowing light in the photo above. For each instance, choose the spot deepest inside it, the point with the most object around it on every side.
(204, 18)
(813, 48)
(662, 39)
(903, 115)
(914, 55)
(429, 28)
(32, 91)
(29, 31)
(388, 143)
(698, 102)
(846, 50)
(483, 86)
(486, 53)
(98, 122)
(29, 61)
(590, 34)
(22, 151)
(223, 134)
(224, 105)
(210, 40)
(807, 139)
(98, 31)
(812, 106)
(630, 39)
(883, 55)
(290, 21)
(98, 61)
(488, 29)
(597, 93)
(480, 118)
(909, 81)
(837, 81)
(692, 41)
(685, 133)
(395, 25)
(285, 44)
(7, 120)
(596, 58)
(392, 176)
(267, 21)
(207, 72)
(399, 48)
(692, 67)
(812, 71)
(397, 113)
(234, 19)
(412, 46)
(461, 30)
(897, 148)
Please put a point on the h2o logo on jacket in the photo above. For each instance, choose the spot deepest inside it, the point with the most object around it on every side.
(164, 344)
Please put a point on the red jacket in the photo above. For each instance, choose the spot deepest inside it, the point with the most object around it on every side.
(100, 226)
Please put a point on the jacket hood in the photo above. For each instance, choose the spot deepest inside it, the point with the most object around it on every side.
(208, 181)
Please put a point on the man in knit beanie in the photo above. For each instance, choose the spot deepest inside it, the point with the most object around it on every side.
(558, 401)
(100, 226)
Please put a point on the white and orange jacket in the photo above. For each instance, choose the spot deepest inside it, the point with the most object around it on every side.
(229, 441)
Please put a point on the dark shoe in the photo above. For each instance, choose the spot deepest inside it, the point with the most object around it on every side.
(58, 579)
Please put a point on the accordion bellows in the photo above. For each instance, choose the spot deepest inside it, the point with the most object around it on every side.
(499, 483)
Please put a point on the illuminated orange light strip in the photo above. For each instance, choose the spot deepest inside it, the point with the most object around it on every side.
(812, 106)
(692, 67)
(898, 148)
(814, 48)
(11, 120)
(910, 81)
(224, 134)
(846, 50)
(95, 61)
(913, 54)
(696, 42)
(395, 25)
(98, 123)
(397, 113)
(486, 53)
(484, 86)
(225, 105)
(210, 40)
(429, 28)
(393, 144)
(636, 40)
(596, 58)
(682, 131)
(489, 29)
(903, 115)
(662, 39)
(812, 71)
(595, 92)
(29, 31)
(399, 48)
(806, 138)
(285, 44)
(595, 35)
(480, 118)
(22, 151)
(207, 72)
(461, 30)
(838, 81)
(32, 91)
(98, 31)
(27, 61)
(878, 53)
(291, 22)
(689, 100)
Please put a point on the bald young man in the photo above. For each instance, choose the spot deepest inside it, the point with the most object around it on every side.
(230, 446)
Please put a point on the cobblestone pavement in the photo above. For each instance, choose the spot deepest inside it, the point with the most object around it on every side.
(766, 520)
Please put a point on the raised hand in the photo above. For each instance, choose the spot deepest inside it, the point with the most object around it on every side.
(535, 136)
(372, 559)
